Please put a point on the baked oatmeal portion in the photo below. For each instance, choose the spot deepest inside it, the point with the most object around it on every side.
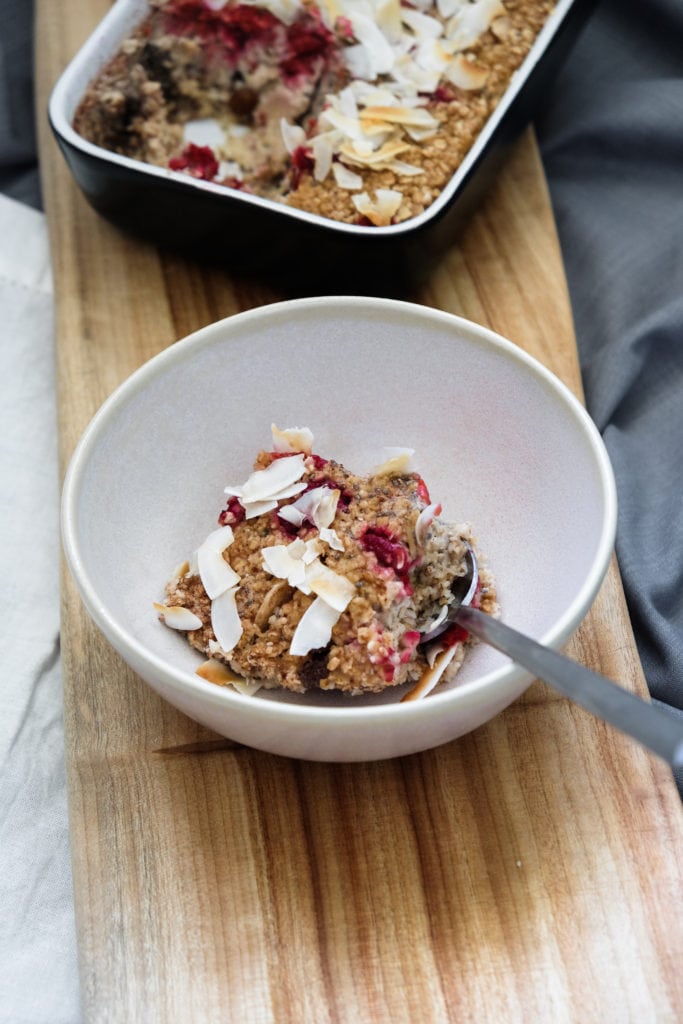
(316, 577)
(356, 110)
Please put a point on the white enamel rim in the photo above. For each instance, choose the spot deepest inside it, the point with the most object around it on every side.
(118, 21)
(468, 694)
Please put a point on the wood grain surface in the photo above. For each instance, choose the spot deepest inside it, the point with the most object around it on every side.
(530, 871)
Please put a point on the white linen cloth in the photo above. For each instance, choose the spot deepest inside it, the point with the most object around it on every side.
(38, 972)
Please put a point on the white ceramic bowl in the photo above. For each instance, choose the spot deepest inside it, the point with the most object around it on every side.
(500, 441)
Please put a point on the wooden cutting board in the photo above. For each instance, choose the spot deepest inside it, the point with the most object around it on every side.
(530, 871)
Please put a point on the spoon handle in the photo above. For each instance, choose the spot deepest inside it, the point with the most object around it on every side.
(651, 725)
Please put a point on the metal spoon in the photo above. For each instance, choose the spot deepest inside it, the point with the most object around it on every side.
(652, 726)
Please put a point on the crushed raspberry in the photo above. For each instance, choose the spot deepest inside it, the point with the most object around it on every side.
(388, 550)
(344, 29)
(443, 94)
(198, 161)
(230, 28)
(453, 635)
(388, 671)
(284, 526)
(423, 491)
(307, 42)
(232, 514)
(234, 183)
(409, 642)
(302, 163)
(345, 496)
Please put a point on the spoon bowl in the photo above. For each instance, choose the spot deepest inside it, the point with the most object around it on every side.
(651, 725)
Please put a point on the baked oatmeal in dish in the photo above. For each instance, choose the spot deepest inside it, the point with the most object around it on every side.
(359, 111)
(316, 577)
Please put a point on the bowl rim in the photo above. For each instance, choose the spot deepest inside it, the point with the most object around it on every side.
(506, 676)
(115, 17)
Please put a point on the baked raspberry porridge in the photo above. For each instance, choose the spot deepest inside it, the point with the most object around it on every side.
(356, 110)
(316, 577)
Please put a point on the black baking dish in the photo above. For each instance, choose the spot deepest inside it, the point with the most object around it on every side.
(301, 252)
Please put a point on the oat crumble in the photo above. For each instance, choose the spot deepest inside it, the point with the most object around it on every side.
(357, 110)
(316, 577)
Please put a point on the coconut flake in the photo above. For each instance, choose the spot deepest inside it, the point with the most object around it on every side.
(336, 589)
(179, 571)
(280, 561)
(471, 20)
(204, 132)
(269, 483)
(346, 178)
(465, 74)
(332, 538)
(292, 439)
(218, 673)
(424, 521)
(314, 629)
(225, 620)
(398, 462)
(178, 617)
(432, 676)
(215, 573)
(319, 506)
(377, 51)
(380, 210)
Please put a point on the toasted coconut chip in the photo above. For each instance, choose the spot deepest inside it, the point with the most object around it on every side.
(215, 573)
(380, 210)
(370, 157)
(337, 590)
(220, 674)
(178, 617)
(501, 27)
(179, 571)
(398, 461)
(432, 676)
(433, 651)
(417, 116)
(225, 620)
(246, 687)
(266, 484)
(465, 74)
(314, 629)
(402, 168)
(471, 20)
(276, 596)
(292, 439)
(346, 178)
(424, 521)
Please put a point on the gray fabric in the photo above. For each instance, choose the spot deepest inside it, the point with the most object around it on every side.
(612, 144)
(19, 176)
